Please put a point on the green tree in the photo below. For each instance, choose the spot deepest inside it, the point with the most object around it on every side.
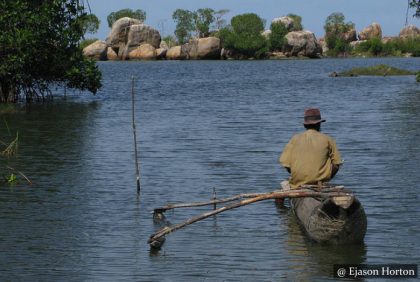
(297, 22)
(203, 18)
(335, 29)
(137, 14)
(244, 36)
(170, 41)
(219, 21)
(39, 47)
(416, 5)
(277, 38)
(90, 23)
(184, 20)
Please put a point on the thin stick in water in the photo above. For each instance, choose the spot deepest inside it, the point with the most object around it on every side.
(135, 137)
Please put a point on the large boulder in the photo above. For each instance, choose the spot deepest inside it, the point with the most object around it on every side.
(287, 21)
(163, 45)
(141, 34)
(372, 31)
(111, 55)
(117, 38)
(202, 48)
(302, 43)
(350, 35)
(161, 53)
(127, 34)
(97, 50)
(323, 45)
(143, 52)
(266, 33)
(410, 31)
(175, 53)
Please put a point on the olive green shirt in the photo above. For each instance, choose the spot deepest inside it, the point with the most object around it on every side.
(310, 156)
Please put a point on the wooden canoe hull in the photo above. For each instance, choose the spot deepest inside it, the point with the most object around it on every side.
(325, 222)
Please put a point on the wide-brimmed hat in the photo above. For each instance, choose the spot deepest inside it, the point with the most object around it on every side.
(312, 116)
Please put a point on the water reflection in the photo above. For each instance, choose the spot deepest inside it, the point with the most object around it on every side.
(202, 125)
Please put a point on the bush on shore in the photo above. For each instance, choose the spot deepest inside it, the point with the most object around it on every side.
(244, 36)
(394, 47)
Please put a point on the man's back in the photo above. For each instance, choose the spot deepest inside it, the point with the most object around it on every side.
(310, 156)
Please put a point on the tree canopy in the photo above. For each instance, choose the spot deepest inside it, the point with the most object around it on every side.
(416, 5)
(188, 22)
(244, 35)
(277, 38)
(137, 14)
(219, 21)
(184, 20)
(335, 30)
(39, 47)
(90, 23)
(203, 18)
(297, 22)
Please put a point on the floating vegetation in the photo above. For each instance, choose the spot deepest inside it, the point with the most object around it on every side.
(378, 70)
(11, 148)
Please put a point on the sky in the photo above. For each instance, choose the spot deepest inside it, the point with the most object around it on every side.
(390, 14)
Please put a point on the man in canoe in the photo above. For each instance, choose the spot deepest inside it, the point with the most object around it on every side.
(311, 157)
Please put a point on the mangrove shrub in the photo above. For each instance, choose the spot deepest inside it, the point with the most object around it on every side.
(39, 47)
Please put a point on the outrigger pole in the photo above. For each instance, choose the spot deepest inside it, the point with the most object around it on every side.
(157, 239)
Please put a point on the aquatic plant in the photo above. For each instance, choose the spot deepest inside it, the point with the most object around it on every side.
(379, 70)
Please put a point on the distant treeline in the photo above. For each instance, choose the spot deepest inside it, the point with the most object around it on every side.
(245, 33)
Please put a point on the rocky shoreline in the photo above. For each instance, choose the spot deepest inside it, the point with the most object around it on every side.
(130, 39)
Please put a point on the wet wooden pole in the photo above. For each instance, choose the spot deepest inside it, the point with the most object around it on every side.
(135, 137)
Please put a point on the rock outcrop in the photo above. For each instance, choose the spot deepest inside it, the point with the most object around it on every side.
(161, 53)
(202, 48)
(266, 33)
(372, 31)
(117, 38)
(111, 55)
(302, 43)
(127, 34)
(323, 45)
(97, 50)
(143, 52)
(175, 53)
(287, 21)
(410, 31)
(350, 35)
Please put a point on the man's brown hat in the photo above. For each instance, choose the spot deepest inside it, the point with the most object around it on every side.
(312, 116)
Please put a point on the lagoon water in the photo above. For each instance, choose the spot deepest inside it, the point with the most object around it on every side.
(204, 125)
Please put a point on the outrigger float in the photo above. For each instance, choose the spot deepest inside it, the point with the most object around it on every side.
(328, 214)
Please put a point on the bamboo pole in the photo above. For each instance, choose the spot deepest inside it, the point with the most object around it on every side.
(157, 239)
(135, 137)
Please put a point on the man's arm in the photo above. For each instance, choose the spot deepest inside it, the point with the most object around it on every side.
(334, 169)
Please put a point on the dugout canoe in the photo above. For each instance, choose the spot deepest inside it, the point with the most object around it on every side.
(336, 220)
